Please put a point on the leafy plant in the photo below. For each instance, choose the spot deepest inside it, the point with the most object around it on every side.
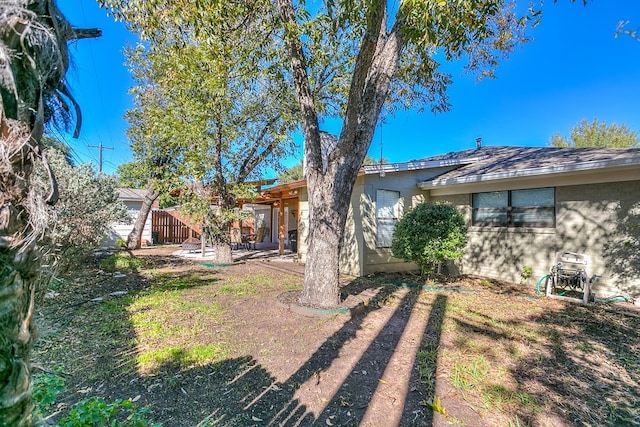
(46, 387)
(97, 412)
(94, 411)
(526, 273)
(429, 234)
(426, 361)
(81, 218)
(466, 376)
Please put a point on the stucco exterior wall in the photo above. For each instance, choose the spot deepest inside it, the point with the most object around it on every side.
(599, 220)
(352, 241)
(303, 224)
(375, 259)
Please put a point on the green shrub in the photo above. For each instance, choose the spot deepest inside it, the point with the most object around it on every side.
(46, 387)
(429, 234)
(83, 214)
(92, 412)
(97, 412)
(526, 273)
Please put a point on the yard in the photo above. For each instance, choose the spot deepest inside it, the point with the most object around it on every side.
(209, 346)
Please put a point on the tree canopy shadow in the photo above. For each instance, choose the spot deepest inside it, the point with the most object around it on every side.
(582, 366)
(239, 391)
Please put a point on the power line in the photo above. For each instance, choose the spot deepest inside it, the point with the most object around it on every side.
(100, 148)
(97, 81)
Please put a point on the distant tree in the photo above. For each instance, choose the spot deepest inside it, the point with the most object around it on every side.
(368, 161)
(152, 163)
(294, 173)
(597, 134)
(128, 175)
(220, 121)
(429, 234)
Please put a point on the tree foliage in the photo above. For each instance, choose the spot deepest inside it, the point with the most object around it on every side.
(294, 173)
(429, 234)
(347, 59)
(219, 121)
(597, 134)
(88, 204)
(623, 28)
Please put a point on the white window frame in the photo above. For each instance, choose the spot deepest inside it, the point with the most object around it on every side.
(387, 215)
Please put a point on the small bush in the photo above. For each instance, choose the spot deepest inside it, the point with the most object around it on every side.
(97, 412)
(429, 234)
(46, 387)
(94, 411)
(526, 273)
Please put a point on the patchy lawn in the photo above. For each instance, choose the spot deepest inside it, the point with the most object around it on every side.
(216, 346)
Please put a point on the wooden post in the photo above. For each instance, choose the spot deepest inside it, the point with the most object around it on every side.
(281, 227)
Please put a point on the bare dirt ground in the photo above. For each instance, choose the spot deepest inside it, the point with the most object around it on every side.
(402, 351)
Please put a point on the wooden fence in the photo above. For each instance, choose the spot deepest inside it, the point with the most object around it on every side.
(167, 229)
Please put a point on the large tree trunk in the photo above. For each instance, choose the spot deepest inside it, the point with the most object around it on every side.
(332, 175)
(18, 275)
(221, 239)
(134, 240)
(218, 236)
(33, 62)
(223, 253)
(327, 216)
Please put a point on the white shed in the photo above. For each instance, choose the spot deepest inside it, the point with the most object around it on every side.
(132, 199)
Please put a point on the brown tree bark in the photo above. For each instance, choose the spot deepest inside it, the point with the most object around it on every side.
(134, 240)
(18, 271)
(330, 188)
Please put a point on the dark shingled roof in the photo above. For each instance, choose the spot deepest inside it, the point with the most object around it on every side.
(499, 159)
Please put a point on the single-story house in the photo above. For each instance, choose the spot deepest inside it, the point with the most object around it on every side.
(522, 206)
(132, 198)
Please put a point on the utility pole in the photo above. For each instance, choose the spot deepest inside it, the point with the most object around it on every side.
(100, 147)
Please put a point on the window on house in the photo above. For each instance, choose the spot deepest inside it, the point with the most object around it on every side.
(517, 208)
(387, 212)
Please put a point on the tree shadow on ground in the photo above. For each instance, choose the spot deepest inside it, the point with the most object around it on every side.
(592, 366)
(581, 366)
(239, 391)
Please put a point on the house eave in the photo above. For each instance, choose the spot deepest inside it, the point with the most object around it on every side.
(417, 165)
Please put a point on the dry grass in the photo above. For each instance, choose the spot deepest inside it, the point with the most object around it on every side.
(200, 345)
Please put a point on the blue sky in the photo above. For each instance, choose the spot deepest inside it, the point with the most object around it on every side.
(573, 69)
